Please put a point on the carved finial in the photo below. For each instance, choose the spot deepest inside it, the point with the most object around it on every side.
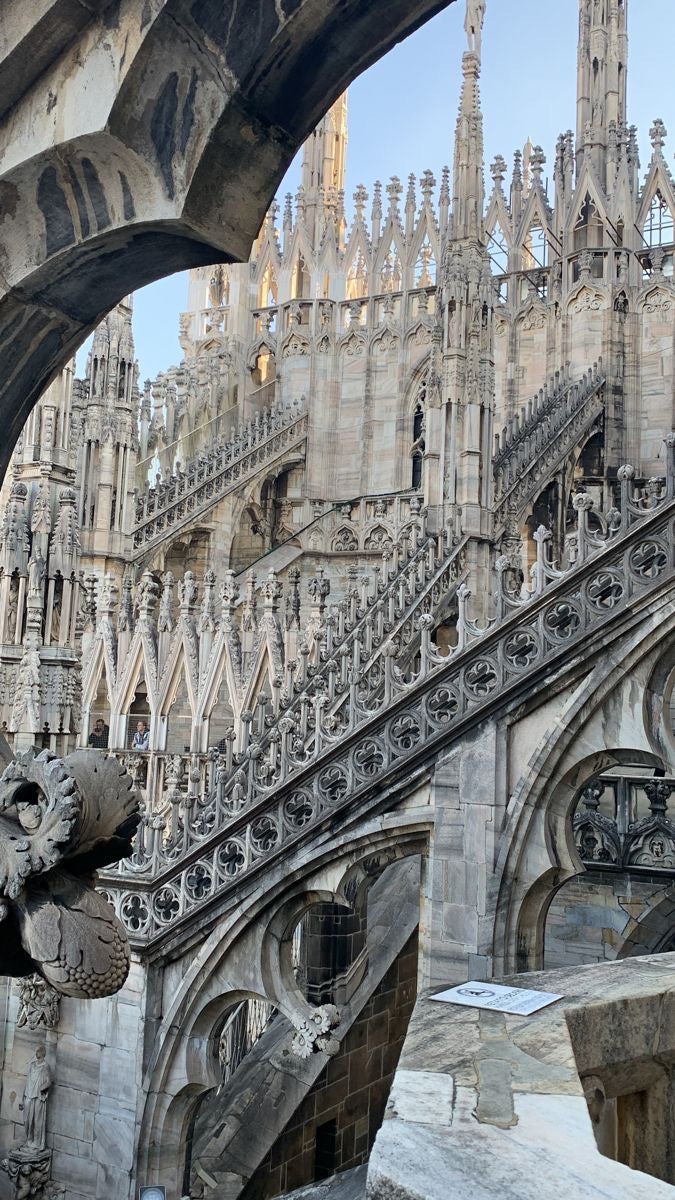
(394, 192)
(537, 161)
(517, 178)
(658, 134)
(498, 171)
(360, 201)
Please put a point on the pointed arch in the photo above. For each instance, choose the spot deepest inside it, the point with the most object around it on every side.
(657, 204)
(658, 225)
(300, 277)
(268, 287)
(499, 250)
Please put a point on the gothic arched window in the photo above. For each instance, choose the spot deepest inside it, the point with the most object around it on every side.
(425, 267)
(269, 294)
(535, 249)
(300, 280)
(659, 224)
(589, 229)
(357, 278)
(498, 250)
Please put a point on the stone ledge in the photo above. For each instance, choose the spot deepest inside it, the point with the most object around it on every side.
(489, 1105)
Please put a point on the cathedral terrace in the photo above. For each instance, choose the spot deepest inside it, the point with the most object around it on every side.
(337, 659)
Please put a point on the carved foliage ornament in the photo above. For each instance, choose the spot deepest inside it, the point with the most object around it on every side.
(61, 819)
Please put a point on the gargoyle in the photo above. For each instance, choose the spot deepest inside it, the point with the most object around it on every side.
(60, 820)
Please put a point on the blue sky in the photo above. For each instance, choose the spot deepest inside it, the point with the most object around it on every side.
(402, 113)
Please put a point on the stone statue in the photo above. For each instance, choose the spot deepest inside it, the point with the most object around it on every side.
(60, 820)
(38, 1083)
(36, 574)
(473, 24)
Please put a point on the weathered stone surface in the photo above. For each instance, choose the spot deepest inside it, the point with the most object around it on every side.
(510, 1117)
(350, 1185)
(195, 120)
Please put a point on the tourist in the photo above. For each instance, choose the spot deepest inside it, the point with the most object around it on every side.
(98, 738)
(141, 737)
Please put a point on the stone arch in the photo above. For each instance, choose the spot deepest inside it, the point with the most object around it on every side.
(180, 1066)
(654, 930)
(152, 177)
(603, 724)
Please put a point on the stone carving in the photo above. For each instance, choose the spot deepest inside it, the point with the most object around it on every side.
(313, 1034)
(658, 301)
(38, 1083)
(587, 301)
(38, 1004)
(61, 819)
(30, 1173)
(473, 24)
(29, 1165)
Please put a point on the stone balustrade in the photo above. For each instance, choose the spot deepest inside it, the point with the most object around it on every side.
(208, 477)
(535, 442)
(271, 794)
(624, 823)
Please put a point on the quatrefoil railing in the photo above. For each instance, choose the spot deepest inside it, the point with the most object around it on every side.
(283, 792)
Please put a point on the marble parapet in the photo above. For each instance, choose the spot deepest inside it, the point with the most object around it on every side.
(486, 1104)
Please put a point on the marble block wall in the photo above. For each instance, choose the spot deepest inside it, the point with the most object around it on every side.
(601, 916)
(95, 1061)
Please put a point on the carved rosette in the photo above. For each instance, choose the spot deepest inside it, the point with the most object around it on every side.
(61, 819)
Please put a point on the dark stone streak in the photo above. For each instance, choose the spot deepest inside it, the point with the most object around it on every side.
(188, 117)
(251, 35)
(163, 130)
(127, 198)
(80, 201)
(96, 194)
(9, 199)
(51, 198)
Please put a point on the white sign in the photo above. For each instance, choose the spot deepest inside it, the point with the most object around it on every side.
(497, 997)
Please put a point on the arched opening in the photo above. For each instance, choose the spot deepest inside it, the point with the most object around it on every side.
(300, 279)
(251, 539)
(624, 835)
(658, 228)
(191, 552)
(264, 369)
(357, 277)
(268, 296)
(498, 249)
(535, 249)
(589, 229)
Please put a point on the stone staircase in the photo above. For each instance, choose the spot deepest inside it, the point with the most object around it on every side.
(283, 790)
(535, 444)
(173, 505)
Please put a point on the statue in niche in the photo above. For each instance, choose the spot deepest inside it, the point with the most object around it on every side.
(473, 24)
(36, 574)
(38, 1083)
